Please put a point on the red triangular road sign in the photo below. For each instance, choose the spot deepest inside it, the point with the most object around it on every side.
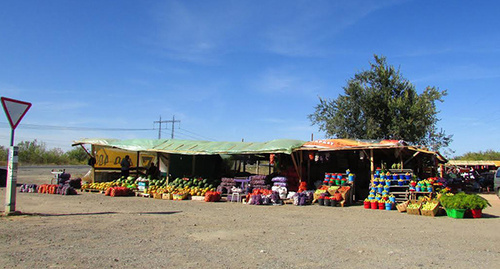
(15, 110)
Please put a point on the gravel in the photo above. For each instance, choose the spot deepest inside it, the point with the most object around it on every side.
(90, 230)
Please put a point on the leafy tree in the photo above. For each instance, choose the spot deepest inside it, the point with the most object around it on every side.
(31, 152)
(77, 155)
(489, 155)
(381, 104)
(3, 153)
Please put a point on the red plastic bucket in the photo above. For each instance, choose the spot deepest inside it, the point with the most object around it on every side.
(477, 213)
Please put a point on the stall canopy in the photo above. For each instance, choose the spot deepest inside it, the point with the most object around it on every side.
(190, 147)
(350, 144)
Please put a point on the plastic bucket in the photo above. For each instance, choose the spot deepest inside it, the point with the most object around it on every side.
(326, 202)
(374, 205)
(321, 201)
(401, 183)
(388, 206)
(381, 206)
(367, 205)
(456, 213)
(477, 213)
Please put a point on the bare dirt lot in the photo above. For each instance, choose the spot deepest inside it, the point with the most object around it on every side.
(91, 230)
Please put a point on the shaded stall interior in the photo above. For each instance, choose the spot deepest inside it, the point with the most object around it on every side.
(364, 160)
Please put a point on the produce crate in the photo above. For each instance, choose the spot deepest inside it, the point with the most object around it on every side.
(402, 207)
(430, 213)
(179, 196)
(198, 198)
(157, 195)
(414, 211)
(142, 194)
(166, 196)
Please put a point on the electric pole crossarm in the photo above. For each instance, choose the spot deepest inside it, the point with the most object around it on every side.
(173, 121)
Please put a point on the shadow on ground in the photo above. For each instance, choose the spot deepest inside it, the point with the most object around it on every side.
(93, 213)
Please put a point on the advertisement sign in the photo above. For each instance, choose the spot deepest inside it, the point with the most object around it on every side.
(111, 158)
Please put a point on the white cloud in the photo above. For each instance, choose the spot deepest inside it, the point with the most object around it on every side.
(304, 28)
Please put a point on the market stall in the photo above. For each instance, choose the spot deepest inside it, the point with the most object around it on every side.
(362, 157)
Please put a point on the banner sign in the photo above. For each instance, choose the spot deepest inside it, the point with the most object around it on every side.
(111, 158)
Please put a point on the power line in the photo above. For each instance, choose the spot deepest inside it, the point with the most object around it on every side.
(70, 128)
(204, 137)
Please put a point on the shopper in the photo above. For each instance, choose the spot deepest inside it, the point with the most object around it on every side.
(125, 164)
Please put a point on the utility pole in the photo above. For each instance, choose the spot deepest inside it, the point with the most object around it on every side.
(173, 121)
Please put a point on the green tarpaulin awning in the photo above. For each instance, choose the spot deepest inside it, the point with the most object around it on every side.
(191, 147)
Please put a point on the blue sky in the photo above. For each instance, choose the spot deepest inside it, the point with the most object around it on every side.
(232, 70)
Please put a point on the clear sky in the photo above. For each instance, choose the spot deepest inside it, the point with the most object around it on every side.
(232, 70)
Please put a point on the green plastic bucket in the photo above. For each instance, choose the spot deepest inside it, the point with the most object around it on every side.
(456, 213)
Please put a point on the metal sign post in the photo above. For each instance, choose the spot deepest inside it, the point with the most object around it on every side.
(15, 111)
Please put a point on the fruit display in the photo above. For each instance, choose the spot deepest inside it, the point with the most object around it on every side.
(100, 186)
(430, 205)
(189, 186)
(56, 189)
(413, 206)
(212, 196)
(118, 191)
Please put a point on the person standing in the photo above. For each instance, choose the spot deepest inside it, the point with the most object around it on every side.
(125, 164)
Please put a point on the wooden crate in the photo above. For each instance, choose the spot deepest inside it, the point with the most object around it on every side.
(166, 196)
(414, 211)
(157, 195)
(402, 207)
(430, 213)
(142, 194)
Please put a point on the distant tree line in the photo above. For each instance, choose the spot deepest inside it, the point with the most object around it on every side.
(488, 155)
(35, 152)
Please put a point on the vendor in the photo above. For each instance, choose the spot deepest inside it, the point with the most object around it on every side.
(153, 171)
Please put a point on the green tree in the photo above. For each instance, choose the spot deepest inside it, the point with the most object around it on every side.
(381, 104)
(3, 153)
(31, 152)
(489, 155)
(77, 155)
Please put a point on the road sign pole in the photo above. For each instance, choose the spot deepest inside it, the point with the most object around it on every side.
(12, 138)
(15, 111)
(10, 195)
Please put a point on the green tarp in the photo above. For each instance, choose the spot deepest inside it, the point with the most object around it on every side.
(190, 147)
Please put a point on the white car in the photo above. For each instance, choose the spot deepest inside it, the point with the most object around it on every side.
(496, 182)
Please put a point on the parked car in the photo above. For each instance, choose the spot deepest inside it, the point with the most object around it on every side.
(497, 182)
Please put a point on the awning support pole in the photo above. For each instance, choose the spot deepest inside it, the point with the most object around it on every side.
(414, 155)
(296, 167)
(372, 164)
(137, 163)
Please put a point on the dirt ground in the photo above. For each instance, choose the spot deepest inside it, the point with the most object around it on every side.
(91, 230)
